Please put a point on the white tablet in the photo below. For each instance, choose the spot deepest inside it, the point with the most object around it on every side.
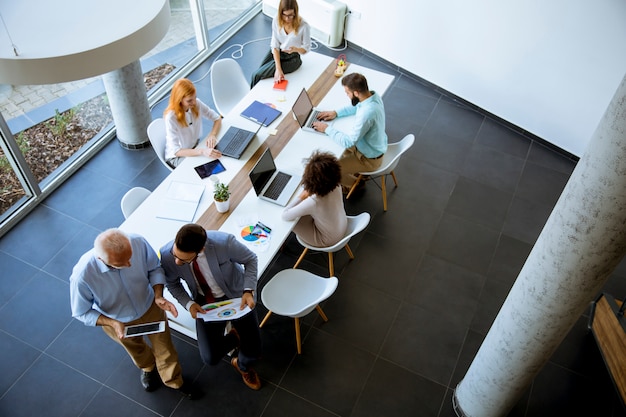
(145, 328)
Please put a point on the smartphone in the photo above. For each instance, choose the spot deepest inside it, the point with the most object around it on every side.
(210, 168)
(146, 328)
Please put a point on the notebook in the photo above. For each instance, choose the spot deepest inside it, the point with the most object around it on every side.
(180, 201)
(304, 112)
(270, 184)
(281, 85)
(261, 113)
(235, 141)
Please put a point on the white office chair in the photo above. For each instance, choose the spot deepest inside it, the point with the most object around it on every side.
(156, 134)
(228, 84)
(355, 225)
(295, 293)
(390, 161)
(132, 199)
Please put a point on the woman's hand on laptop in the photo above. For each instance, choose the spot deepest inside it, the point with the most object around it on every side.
(210, 152)
(211, 141)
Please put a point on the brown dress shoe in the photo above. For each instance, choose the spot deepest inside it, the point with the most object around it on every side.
(250, 377)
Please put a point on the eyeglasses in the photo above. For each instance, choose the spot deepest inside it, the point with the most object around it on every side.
(185, 261)
(289, 15)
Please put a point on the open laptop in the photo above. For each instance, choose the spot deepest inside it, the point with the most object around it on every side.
(235, 141)
(270, 184)
(304, 112)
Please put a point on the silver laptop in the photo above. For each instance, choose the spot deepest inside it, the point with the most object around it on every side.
(235, 141)
(270, 184)
(304, 112)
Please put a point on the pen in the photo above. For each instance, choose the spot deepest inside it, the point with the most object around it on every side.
(213, 306)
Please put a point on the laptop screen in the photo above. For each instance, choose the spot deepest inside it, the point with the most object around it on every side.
(302, 107)
(262, 171)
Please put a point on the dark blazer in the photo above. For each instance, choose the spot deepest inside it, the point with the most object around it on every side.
(232, 264)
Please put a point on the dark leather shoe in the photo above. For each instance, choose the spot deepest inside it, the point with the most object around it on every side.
(190, 391)
(150, 380)
(250, 377)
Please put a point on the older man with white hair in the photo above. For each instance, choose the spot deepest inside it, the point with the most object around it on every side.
(120, 283)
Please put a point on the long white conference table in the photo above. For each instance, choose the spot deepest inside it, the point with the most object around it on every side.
(250, 209)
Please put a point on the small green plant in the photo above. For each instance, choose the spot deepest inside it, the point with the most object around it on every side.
(221, 192)
(22, 143)
(60, 122)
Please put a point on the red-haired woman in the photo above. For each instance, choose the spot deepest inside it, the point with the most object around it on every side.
(183, 125)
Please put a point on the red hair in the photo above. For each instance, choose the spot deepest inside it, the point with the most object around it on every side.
(181, 89)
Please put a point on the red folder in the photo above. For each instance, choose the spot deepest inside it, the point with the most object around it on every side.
(281, 85)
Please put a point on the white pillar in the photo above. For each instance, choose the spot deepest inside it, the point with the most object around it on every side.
(128, 100)
(581, 244)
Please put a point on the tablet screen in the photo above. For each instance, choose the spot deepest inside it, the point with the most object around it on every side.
(145, 328)
(210, 168)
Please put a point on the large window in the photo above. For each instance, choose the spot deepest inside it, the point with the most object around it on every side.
(47, 131)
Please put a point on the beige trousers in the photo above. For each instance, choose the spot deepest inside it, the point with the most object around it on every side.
(162, 354)
(352, 162)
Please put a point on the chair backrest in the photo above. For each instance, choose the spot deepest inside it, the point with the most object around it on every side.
(392, 156)
(296, 292)
(228, 84)
(396, 151)
(156, 134)
(356, 224)
(132, 199)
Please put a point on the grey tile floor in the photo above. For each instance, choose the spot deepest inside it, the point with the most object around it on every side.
(408, 316)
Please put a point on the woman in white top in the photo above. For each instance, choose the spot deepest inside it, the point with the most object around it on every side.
(291, 37)
(183, 125)
(323, 220)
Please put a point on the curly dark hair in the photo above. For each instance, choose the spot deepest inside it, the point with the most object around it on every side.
(322, 173)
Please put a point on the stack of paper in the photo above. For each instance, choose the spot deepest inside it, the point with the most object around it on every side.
(180, 201)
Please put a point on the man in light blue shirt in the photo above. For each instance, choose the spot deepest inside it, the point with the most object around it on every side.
(119, 283)
(366, 144)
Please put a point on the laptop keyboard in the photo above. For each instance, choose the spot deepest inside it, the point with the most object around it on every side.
(313, 118)
(236, 141)
(278, 184)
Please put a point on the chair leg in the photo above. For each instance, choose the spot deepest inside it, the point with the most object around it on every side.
(267, 316)
(300, 258)
(298, 342)
(384, 191)
(350, 254)
(358, 179)
(331, 265)
(395, 180)
(321, 312)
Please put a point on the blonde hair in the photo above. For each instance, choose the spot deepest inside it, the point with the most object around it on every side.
(289, 5)
(181, 89)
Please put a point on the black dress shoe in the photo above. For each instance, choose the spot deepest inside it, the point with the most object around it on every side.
(150, 380)
(190, 391)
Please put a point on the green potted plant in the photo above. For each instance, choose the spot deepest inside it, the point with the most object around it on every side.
(221, 195)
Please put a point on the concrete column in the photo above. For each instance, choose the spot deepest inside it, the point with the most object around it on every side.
(581, 244)
(128, 100)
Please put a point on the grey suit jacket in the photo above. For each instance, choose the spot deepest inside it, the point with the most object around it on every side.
(233, 265)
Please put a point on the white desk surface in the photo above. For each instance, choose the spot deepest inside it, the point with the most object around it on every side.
(251, 209)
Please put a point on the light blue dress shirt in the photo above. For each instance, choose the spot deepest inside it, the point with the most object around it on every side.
(368, 132)
(121, 294)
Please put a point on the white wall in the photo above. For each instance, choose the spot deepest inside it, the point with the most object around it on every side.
(549, 67)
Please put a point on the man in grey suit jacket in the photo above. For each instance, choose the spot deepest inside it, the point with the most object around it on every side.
(215, 266)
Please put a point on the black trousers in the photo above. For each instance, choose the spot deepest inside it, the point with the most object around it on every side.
(214, 344)
(289, 63)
